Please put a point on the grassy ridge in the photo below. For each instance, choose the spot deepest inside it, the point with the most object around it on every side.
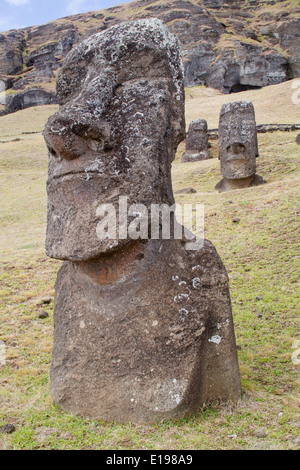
(273, 104)
(261, 254)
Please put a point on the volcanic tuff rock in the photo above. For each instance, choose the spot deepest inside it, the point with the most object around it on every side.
(31, 97)
(196, 144)
(11, 52)
(112, 123)
(238, 146)
(143, 327)
(230, 45)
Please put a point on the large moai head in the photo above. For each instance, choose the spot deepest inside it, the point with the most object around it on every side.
(143, 331)
(238, 147)
(196, 147)
(104, 142)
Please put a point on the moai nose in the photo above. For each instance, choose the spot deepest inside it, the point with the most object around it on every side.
(237, 147)
(60, 139)
(69, 137)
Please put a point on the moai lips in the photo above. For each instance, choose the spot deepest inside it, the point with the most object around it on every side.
(196, 147)
(143, 329)
(238, 146)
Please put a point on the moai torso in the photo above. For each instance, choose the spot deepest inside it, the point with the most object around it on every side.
(143, 327)
(238, 146)
(196, 147)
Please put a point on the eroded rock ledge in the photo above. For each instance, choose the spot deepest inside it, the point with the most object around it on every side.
(228, 45)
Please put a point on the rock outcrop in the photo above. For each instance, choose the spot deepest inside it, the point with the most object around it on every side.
(12, 45)
(143, 327)
(247, 66)
(31, 97)
(227, 44)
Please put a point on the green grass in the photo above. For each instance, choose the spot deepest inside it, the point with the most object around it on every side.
(261, 254)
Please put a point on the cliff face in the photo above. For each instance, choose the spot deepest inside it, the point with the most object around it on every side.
(11, 52)
(227, 44)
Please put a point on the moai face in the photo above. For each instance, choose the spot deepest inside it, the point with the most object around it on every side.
(197, 137)
(196, 147)
(238, 147)
(104, 141)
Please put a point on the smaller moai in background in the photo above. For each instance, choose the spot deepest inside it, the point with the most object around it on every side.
(238, 147)
(197, 146)
(2, 92)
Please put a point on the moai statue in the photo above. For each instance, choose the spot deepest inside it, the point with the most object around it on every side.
(196, 147)
(143, 326)
(238, 146)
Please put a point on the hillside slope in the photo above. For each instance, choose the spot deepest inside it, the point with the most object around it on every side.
(23, 154)
(273, 104)
(229, 45)
(260, 253)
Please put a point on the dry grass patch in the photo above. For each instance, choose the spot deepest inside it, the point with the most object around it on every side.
(261, 255)
(273, 104)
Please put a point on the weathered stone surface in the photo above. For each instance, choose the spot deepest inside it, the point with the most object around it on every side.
(47, 58)
(196, 147)
(186, 191)
(222, 46)
(244, 66)
(143, 329)
(106, 133)
(197, 64)
(143, 335)
(7, 428)
(298, 139)
(288, 33)
(238, 146)
(263, 128)
(11, 52)
(28, 98)
(230, 184)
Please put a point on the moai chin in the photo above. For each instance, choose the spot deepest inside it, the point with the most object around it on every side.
(143, 328)
(238, 146)
(196, 147)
